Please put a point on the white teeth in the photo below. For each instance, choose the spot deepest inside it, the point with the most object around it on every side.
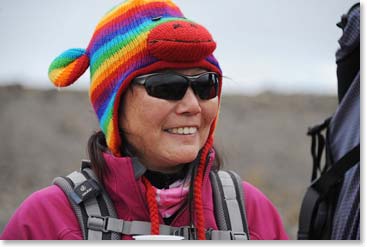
(183, 130)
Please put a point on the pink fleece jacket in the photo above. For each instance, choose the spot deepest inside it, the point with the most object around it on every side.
(47, 214)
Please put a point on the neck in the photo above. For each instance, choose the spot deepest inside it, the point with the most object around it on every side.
(163, 180)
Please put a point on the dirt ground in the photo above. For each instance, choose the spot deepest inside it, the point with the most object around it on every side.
(44, 135)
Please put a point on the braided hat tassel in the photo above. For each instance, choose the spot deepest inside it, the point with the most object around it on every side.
(198, 182)
(199, 213)
(153, 206)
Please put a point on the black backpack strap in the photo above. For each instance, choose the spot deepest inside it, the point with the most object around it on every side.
(337, 171)
(318, 141)
(229, 203)
(319, 188)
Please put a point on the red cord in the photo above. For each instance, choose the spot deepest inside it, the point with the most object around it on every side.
(153, 207)
(200, 222)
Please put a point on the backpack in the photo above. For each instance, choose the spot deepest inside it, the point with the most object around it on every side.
(330, 207)
(98, 219)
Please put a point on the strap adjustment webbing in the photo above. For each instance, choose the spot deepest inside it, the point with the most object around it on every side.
(188, 232)
(109, 224)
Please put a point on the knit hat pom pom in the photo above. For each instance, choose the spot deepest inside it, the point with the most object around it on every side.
(68, 67)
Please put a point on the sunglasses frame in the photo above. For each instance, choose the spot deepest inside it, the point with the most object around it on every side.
(190, 79)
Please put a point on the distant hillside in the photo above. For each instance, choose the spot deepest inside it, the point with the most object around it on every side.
(44, 134)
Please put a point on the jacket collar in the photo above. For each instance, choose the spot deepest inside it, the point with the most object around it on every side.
(123, 184)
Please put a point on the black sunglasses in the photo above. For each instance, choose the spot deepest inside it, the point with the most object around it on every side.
(173, 86)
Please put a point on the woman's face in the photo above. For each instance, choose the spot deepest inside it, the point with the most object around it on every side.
(153, 126)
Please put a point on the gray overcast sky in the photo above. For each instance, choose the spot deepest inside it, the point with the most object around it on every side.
(283, 45)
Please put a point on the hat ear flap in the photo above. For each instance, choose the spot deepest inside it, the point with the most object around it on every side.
(68, 67)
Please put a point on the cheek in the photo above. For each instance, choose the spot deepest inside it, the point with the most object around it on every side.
(152, 113)
(210, 111)
(132, 115)
(144, 116)
(209, 114)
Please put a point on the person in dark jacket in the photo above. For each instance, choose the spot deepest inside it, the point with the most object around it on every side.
(331, 205)
(345, 135)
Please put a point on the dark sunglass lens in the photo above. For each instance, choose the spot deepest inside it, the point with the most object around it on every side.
(166, 86)
(206, 86)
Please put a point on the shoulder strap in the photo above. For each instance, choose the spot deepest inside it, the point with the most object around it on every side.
(98, 219)
(320, 187)
(229, 203)
(88, 199)
(337, 171)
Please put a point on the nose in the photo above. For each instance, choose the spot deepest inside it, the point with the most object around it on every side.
(189, 104)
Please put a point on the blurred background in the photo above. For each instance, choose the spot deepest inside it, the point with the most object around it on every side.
(278, 56)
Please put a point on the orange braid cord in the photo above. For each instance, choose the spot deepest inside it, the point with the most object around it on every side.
(200, 223)
(153, 206)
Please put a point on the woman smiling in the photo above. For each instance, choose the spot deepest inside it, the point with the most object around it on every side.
(156, 88)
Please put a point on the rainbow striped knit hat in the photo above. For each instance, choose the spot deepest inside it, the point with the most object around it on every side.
(134, 38)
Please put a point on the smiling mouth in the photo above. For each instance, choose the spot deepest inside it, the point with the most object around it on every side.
(182, 130)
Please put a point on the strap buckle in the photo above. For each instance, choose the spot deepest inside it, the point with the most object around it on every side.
(239, 236)
(188, 232)
(98, 223)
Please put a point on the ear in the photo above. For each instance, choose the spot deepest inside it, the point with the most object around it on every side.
(68, 67)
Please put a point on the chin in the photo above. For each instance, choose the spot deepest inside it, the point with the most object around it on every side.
(185, 156)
